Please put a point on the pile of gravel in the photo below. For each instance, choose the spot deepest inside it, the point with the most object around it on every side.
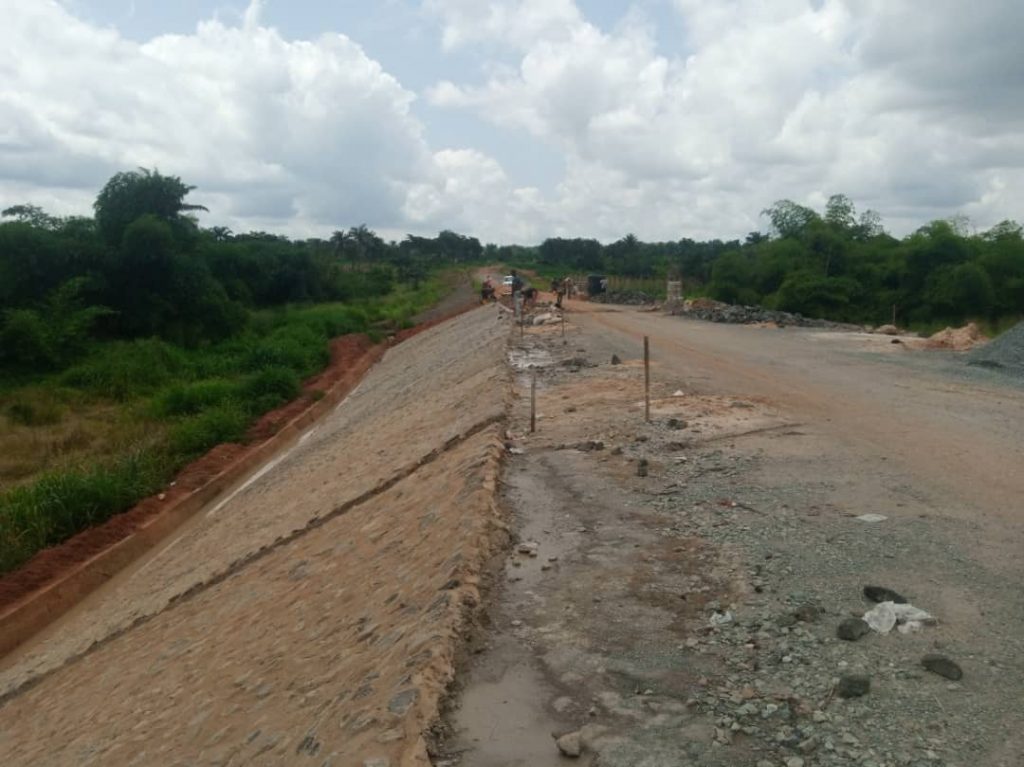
(1004, 353)
(750, 315)
(628, 297)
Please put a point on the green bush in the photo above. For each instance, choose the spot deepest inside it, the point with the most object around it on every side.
(192, 398)
(195, 435)
(25, 340)
(296, 346)
(127, 369)
(269, 388)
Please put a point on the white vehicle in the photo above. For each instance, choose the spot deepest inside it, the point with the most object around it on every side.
(507, 283)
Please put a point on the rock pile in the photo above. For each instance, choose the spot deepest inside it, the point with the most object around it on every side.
(716, 311)
(1005, 352)
(628, 297)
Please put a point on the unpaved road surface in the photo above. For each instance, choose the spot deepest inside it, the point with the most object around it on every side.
(689, 616)
(311, 615)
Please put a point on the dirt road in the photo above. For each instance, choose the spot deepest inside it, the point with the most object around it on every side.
(954, 438)
(677, 596)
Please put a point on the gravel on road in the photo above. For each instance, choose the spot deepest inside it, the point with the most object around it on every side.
(709, 609)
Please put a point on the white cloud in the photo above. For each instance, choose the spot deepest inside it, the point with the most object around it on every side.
(285, 135)
(511, 22)
(792, 99)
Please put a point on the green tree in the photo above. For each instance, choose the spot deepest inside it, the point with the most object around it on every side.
(840, 213)
(731, 279)
(32, 215)
(574, 253)
(869, 225)
(52, 334)
(129, 195)
(790, 219)
(816, 296)
(956, 293)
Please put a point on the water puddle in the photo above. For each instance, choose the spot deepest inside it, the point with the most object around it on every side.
(524, 359)
(502, 721)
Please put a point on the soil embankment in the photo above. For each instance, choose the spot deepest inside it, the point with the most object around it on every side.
(312, 612)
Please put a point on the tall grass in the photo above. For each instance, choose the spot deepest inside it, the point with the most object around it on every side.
(62, 503)
(124, 370)
(195, 435)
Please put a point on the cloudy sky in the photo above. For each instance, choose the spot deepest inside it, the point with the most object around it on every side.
(516, 120)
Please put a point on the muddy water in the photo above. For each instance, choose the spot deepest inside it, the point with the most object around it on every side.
(505, 719)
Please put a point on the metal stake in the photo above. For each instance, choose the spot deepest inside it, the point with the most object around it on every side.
(647, 380)
(533, 403)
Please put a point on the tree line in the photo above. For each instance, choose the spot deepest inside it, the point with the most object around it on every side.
(142, 267)
(834, 264)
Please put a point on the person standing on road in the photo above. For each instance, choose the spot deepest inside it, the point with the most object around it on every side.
(517, 296)
(570, 288)
(558, 288)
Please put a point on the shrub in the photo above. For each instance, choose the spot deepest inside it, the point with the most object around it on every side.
(25, 340)
(192, 398)
(128, 369)
(296, 346)
(269, 388)
(224, 423)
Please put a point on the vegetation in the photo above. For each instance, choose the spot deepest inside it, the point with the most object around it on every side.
(134, 341)
(834, 265)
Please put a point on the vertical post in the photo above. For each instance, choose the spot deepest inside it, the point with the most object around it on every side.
(647, 379)
(894, 314)
(563, 323)
(533, 403)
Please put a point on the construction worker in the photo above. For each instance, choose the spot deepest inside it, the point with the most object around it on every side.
(558, 288)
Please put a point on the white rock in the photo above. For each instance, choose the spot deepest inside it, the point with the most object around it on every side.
(872, 518)
(569, 744)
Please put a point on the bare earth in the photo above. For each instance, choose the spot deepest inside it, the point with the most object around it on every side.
(688, 617)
